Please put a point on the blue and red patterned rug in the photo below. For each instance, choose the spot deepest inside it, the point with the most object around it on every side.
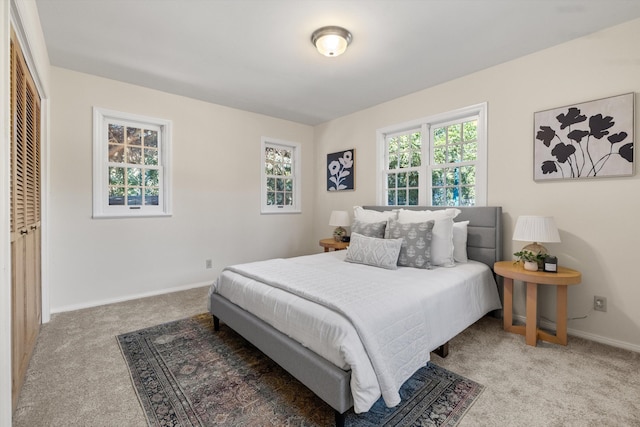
(185, 374)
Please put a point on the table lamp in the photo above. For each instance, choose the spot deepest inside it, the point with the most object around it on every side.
(531, 228)
(339, 219)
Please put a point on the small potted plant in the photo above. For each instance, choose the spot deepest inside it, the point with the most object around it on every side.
(338, 233)
(529, 259)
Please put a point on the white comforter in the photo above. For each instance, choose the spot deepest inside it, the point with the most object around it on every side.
(379, 323)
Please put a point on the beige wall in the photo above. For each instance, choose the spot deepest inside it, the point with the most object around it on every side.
(216, 196)
(597, 218)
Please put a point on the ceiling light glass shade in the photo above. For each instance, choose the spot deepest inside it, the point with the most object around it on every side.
(331, 41)
(530, 228)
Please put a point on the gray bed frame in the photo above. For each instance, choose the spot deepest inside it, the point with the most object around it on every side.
(327, 381)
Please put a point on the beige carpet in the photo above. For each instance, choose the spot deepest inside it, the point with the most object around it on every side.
(77, 376)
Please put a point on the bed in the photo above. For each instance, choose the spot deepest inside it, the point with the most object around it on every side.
(250, 297)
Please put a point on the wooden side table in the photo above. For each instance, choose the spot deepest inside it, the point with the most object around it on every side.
(562, 279)
(333, 244)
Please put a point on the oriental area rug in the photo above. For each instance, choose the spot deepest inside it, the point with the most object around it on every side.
(185, 374)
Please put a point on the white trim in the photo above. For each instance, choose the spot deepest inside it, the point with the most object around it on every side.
(424, 195)
(45, 163)
(98, 303)
(5, 235)
(100, 177)
(546, 324)
(604, 340)
(381, 162)
(482, 165)
(296, 147)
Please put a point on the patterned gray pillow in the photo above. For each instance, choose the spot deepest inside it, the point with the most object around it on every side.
(373, 251)
(416, 246)
(369, 229)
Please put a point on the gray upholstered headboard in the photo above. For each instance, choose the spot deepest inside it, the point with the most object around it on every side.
(484, 232)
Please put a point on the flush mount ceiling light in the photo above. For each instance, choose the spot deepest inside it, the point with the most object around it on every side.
(331, 41)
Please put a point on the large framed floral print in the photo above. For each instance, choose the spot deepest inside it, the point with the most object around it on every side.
(588, 140)
(341, 170)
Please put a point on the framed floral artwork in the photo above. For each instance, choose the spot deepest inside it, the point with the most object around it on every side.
(341, 170)
(588, 140)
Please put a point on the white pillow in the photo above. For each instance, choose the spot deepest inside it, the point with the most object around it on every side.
(442, 233)
(375, 252)
(460, 241)
(369, 215)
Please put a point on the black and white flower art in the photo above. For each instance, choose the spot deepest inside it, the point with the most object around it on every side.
(588, 140)
(341, 170)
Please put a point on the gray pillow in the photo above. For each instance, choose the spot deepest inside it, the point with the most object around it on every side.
(416, 238)
(373, 251)
(369, 229)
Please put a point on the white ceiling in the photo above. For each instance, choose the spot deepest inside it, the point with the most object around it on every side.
(256, 55)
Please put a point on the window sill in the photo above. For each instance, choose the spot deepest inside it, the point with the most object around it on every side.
(280, 212)
(140, 215)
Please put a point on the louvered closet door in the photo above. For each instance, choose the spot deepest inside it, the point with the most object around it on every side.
(25, 215)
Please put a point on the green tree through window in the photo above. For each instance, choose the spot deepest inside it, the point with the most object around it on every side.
(439, 161)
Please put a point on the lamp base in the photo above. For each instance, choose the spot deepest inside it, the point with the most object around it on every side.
(536, 248)
(338, 233)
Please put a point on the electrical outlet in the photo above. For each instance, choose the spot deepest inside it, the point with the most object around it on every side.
(599, 303)
(208, 263)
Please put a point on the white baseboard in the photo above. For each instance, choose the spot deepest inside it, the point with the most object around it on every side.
(90, 304)
(545, 324)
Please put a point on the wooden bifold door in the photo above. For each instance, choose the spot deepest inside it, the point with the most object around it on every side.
(25, 216)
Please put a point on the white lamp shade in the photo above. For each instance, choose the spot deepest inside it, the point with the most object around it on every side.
(530, 228)
(339, 219)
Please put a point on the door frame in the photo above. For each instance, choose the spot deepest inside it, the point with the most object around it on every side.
(23, 16)
(24, 30)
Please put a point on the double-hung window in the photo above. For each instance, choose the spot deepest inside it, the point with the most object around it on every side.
(281, 178)
(131, 165)
(438, 161)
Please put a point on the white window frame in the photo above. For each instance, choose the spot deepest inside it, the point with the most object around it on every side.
(425, 125)
(296, 175)
(101, 208)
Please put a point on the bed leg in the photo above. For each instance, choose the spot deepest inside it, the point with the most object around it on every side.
(443, 350)
(216, 323)
(340, 419)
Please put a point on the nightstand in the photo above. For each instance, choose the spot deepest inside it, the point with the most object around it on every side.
(561, 280)
(331, 243)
